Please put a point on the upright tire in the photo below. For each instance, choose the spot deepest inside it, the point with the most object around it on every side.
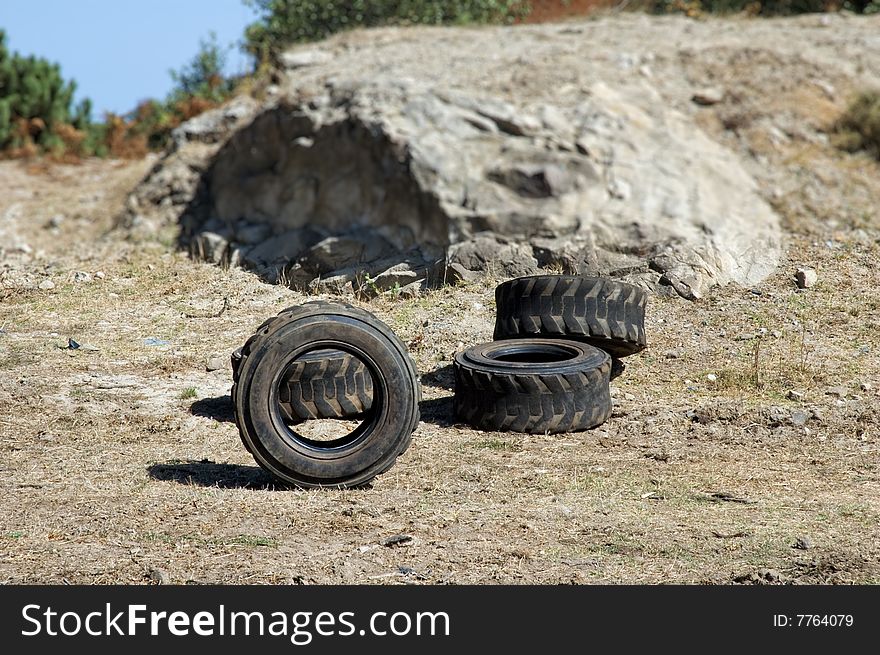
(272, 355)
(604, 313)
(536, 386)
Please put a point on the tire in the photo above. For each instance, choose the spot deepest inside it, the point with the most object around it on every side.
(265, 363)
(536, 386)
(326, 384)
(604, 313)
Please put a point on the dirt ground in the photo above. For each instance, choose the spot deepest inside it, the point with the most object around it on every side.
(743, 445)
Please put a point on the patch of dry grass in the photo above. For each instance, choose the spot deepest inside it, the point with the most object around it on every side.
(859, 126)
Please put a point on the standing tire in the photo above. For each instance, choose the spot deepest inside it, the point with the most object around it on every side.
(604, 313)
(536, 386)
(272, 356)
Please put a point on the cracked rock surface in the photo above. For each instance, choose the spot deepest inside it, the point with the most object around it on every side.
(570, 148)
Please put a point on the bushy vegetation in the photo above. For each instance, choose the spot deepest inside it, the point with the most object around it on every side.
(36, 111)
(283, 22)
(199, 86)
(859, 127)
(762, 7)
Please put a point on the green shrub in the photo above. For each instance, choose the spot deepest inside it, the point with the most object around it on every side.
(198, 86)
(859, 127)
(36, 113)
(35, 103)
(203, 76)
(283, 22)
(863, 6)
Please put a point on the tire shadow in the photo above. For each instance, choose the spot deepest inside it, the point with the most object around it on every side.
(218, 408)
(205, 473)
(442, 378)
(438, 412)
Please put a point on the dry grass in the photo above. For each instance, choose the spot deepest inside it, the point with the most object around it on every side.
(121, 460)
(859, 127)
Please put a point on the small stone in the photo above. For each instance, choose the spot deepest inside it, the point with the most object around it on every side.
(397, 540)
(81, 276)
(100, 275)
(746, 336)
(553, 119)
(55, 222)
(708, 96)
(712, 377)
(771, 575)
(672, 354)
(827, 88)
(838, 392)
(72, 345)
(455, 273)
(209, 246)
(805, 278)
(215, 363)
(796, 396)
(412, 290)
(159, 577)
(619, 189)
(629, 396)
(802, 543)
(776, 334)
(777, 416)
(866, 386)
(761, 577)
(46, 285)
(799, 417)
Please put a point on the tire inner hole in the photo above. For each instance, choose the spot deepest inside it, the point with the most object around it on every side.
(325, 396)
(533, 354)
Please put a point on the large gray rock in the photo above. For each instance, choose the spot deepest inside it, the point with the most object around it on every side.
(494, 255)
(383, 150)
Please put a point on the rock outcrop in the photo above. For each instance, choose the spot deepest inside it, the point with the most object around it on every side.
(382, 157)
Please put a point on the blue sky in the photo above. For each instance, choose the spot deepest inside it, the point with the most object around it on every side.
(120, 51)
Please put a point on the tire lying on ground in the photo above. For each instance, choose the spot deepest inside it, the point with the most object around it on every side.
(297, 338)
(326, 384)
(537, 386)
(322, 384)
(604, 313)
